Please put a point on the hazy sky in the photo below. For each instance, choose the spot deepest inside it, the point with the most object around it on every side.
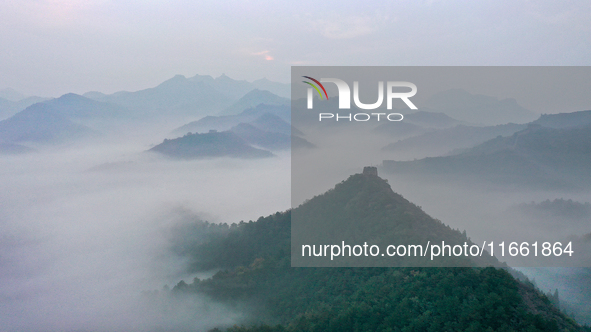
(51, 47)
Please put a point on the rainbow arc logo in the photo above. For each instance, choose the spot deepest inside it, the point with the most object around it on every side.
(316, 87)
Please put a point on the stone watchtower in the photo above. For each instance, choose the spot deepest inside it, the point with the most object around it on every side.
(370, 170)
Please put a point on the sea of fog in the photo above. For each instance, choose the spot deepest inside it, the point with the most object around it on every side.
(85, 231)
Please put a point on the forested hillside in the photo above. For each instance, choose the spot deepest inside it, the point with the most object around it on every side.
(256, 277)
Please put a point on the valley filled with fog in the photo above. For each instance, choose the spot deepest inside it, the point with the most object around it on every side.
(88, 228)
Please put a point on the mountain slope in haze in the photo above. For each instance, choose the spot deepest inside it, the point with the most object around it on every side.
(273, 123)
(280, 89)
(415, 124)
(195, 96)
(556, 209)
(221, 123)
(40, 124)
(9, 108)
(440, 142)
(563, 218)
(429, 119)
(268, 140)
(479, 109)
(564, 120)
(257, 277)
(62, 119)
(535, 156)
(364, 208)
(77, 107)
(252, 99)
(176, 96)
(209, 145)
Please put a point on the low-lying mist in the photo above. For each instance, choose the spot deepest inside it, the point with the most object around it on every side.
(492, 212)
(85, 233)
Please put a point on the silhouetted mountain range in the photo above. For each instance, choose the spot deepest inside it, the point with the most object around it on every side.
(181, 96)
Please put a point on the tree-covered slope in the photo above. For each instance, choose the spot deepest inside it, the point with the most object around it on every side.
(257, 277)
(209, 145)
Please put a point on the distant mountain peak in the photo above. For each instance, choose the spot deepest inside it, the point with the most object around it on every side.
(71, 96)
(201, 78)
(224, 77)
(176, 79)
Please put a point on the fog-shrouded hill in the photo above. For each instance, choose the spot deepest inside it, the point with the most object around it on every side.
(62, 119)
(257, 276)
(564, 219)
(40, 123)
(221, 123)
(273, 123)
(77, 107)
(10, 107)
(209, 145)
(479, 109)
(564, 120)
(364, 208)
(557, 208)
(178, 96)
(535, 156)
(280, 89)
(444, 141)
(252, 99)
